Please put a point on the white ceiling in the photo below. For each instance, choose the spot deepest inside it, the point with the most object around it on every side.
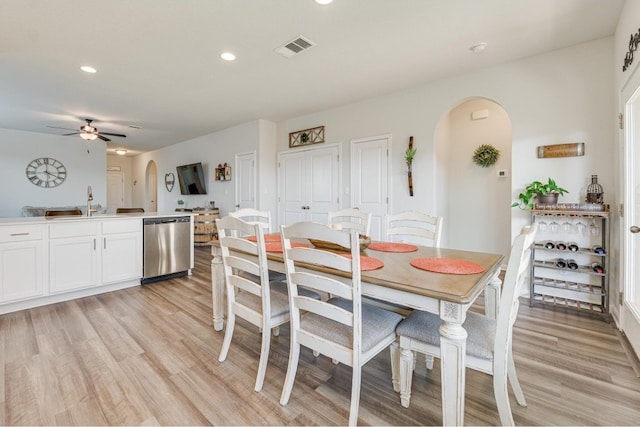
(159, 66)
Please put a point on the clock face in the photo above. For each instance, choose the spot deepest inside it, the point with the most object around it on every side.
(46, 172)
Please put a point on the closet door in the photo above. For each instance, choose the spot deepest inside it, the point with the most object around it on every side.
(246, 180)
(308, 184)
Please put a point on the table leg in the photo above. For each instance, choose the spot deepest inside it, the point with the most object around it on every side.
(453, 343)
(217, 288)
(492, 297)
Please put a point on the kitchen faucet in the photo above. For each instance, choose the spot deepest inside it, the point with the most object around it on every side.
(89, 199)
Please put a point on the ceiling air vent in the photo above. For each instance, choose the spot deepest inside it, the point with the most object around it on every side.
(295, 47)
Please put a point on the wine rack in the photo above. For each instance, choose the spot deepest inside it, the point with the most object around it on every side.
(585, 286)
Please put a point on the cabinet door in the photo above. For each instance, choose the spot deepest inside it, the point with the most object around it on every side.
(73, 263)
(121, 257)
(21, 270)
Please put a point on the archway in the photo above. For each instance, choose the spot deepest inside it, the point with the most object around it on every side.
(151, 187)
(475, 201)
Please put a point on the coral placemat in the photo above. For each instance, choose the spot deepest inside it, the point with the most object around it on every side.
(275, 237)
(447, 265)
(392, 247)
(277, 246)
(367, 263)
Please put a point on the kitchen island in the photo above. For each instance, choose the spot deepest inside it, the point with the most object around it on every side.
(48, 260)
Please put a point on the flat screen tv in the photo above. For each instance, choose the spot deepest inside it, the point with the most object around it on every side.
(191, 179)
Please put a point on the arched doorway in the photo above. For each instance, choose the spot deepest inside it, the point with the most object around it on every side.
(151, 187)
(475, 201)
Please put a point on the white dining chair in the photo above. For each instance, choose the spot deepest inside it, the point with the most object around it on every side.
(262, 218)
(254, 216)
(341, 328)
(489, 341)
(350, 219)
(413, 227)
(258, 302)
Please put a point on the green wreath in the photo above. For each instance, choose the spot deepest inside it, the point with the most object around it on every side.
(485, 155)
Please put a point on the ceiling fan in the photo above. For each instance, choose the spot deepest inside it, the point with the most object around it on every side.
(89, 132)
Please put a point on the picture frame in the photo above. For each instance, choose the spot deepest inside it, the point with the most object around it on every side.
(306, 137)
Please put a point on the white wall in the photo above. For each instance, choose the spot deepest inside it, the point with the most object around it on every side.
(18, 148)
(213, 149)
(471, 188)
(557, 97)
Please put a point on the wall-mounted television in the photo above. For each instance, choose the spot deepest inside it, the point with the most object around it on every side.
(191, 179)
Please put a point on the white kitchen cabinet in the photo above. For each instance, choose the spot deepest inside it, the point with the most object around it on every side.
(570, 267)
(308, 184)
(21, 262)
(121, 250)
(74, 255)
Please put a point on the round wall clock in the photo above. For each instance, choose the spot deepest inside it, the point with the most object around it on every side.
(46, 172)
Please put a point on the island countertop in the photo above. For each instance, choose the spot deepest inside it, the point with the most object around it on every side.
(54, 219)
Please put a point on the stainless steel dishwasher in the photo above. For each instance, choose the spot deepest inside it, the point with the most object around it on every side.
(167, 248)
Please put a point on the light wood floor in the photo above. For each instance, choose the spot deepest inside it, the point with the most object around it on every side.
(149, 355)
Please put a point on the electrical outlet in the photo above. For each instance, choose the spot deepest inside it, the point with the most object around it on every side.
(502, 174)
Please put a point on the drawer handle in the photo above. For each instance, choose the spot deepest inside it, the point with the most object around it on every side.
(19, 234)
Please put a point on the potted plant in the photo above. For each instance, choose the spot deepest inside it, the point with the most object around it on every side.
(544, 193)
(180, 204)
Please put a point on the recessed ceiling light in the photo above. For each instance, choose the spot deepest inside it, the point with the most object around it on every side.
(478, 47)
(323, 2)
(121, 151)
(228, 56)
(88, 69)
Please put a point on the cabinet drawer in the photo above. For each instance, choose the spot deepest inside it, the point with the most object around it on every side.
(21, 233)
(74, 229)
(122, 226)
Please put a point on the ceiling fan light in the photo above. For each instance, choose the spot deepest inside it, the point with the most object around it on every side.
(88, 136)
(121, 151)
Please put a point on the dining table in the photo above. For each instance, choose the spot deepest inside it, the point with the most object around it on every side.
(396, 280)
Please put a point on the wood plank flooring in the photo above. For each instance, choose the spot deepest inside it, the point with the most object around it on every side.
(149, 356)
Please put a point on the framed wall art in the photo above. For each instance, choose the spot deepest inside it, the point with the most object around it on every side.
(306, 137)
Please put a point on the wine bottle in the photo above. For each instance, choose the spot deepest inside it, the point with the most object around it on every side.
(598, 249)
(572, 264)
(549, 244)
(597, 267)
(561, 263)
(561, 246)
(573, 247)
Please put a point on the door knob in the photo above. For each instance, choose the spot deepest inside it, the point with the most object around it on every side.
(634, 229)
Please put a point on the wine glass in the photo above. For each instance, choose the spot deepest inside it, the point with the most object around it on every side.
(581, 227)
(554, 226)
(594, 229)
(566, 226)
(542, 226)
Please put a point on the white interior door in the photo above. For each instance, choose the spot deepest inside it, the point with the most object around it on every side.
(370, 179)
(246, 180)
(308, 184)
(115, 191)
(630, 310)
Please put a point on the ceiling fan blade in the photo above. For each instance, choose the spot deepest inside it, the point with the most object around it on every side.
(104, 138)
(68, 134)
(56, 127)
(113, 134)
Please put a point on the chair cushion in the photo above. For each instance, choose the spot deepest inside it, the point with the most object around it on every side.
(273, 276)
(304, 292)
(279, 300)
(425, 327)
(377, 324)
